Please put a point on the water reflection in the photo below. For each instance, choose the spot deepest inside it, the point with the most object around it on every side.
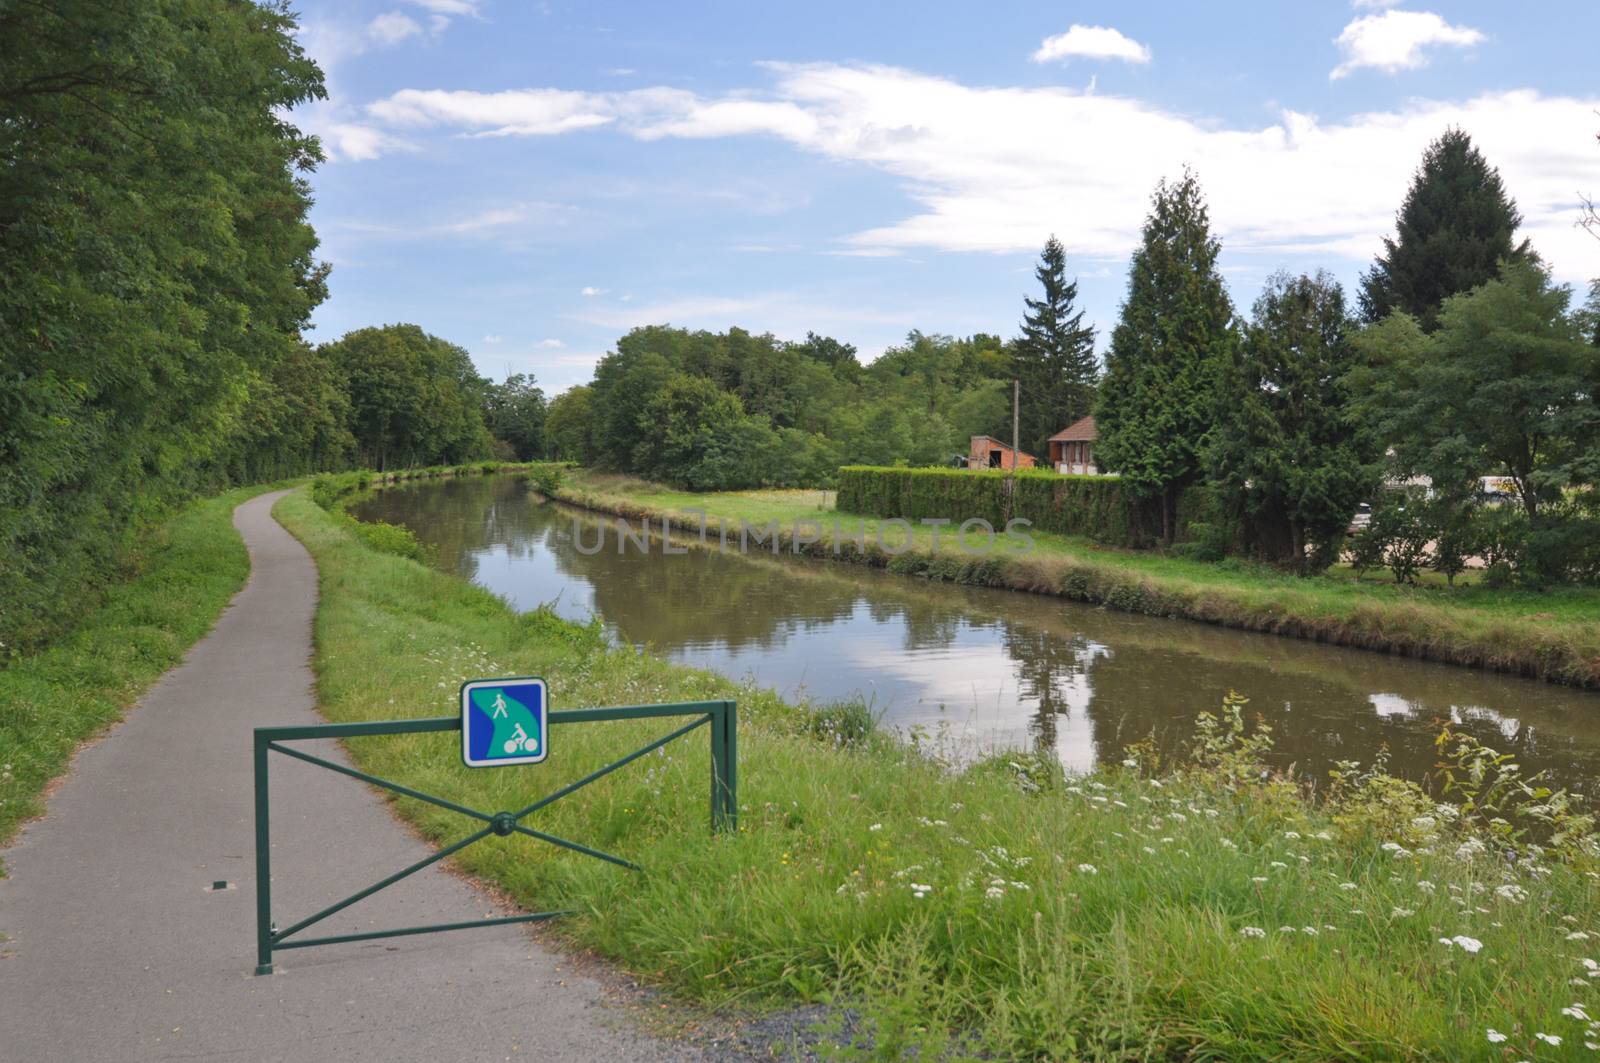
(987, 668)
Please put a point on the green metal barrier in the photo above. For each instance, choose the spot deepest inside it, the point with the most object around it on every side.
(721, 716)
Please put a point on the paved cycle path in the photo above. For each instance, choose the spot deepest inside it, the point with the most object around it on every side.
(120, 950)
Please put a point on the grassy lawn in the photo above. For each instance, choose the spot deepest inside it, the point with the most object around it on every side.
(176, 586)
(1554, 635)
(1000, 912)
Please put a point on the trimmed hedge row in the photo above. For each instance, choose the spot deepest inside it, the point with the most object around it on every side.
(1097, 507)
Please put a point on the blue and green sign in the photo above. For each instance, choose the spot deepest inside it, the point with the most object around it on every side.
(503, 721)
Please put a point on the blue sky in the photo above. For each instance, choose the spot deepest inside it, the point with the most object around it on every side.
(529, 180)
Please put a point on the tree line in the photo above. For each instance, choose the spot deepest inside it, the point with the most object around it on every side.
(1463, 362)
(157, 277)
(158, 273)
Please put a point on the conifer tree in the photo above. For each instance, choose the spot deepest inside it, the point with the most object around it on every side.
(1157, 398)
(1287, 460)
(1455, 227)
(1054, 356)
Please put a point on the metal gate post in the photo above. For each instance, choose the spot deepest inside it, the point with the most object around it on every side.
(724, 768)
(719, 717)
(263, 862)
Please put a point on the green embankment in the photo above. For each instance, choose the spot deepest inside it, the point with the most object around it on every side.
(1000, 910)
(176, 585)
(1553, 636)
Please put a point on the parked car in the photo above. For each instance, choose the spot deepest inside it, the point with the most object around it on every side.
(1362, 518)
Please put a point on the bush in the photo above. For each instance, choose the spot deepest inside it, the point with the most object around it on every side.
(390, 538)
(546, 479)
(1096, 507)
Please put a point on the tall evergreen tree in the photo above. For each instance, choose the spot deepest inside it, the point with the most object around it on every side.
(1054, 356)
(1156, 400)
(1453, 230)
(1286, 457)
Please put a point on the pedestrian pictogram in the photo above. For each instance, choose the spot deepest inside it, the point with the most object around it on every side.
(503, 722)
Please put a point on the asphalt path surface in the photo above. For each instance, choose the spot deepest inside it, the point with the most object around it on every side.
(118, 946)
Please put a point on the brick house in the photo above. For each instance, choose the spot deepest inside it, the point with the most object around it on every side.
(989, 453)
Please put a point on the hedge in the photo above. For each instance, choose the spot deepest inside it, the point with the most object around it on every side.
(1097, 507)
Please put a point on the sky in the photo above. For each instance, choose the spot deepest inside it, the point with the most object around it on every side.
(531, 180)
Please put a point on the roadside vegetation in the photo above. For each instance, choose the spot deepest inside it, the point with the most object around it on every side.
(1199, 908)
(1554, 635)
(168, 592)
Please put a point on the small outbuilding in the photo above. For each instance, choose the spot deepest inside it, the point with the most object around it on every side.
(1072, 448)
(989, 453)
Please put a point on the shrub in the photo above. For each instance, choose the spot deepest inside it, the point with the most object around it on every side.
(842, 723)
(390, 538)
(546, 479)
(1096, 507)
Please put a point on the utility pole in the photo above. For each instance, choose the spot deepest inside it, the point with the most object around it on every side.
(1016, 421)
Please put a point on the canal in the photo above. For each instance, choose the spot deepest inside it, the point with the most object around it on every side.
(974, 668)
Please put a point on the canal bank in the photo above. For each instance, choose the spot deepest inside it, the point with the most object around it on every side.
(1553, 636)
(973, 669)
(1001, 908)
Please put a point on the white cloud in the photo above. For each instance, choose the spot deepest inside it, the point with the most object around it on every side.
(981, 179)
(392, 27)
(591, 291)
(1091, 42)
(1372, 5)
(551, 344)
(344, 141)
(510, 222)
(1394, 41)
(450, 7)
(492, 339)
(519, 112)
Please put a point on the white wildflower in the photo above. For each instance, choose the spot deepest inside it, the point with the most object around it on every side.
(1252, 932)
(1495, 1037)
(1088, 869)
(1548, 1038)
(1292, 835)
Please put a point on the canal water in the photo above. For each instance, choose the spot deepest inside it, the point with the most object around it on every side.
(976, 668)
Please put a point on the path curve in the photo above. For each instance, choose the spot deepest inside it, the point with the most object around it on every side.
(120, 950)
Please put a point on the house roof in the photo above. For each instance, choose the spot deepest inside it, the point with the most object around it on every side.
(1079, 431)
(1002, 444)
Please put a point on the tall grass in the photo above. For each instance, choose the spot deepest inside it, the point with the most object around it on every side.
(1004, 911)
(173, 587)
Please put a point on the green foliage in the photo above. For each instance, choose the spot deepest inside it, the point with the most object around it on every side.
(547, 480)
(1502, 387)
(1489, 787)
(1157, 400)
(178, 577)
(390, 539)
(748, 411)
(848, 723)
(1455, 228)
(515, 412)
(947, 912)
(1096, 507)
(1286, 458)
(415, 399)
(156, 268)
(1228, 748)
(566, 425)
(1054, 356)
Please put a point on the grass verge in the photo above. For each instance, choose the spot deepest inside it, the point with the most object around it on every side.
(1553, 636)
(1002, 911)
(175, 586)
